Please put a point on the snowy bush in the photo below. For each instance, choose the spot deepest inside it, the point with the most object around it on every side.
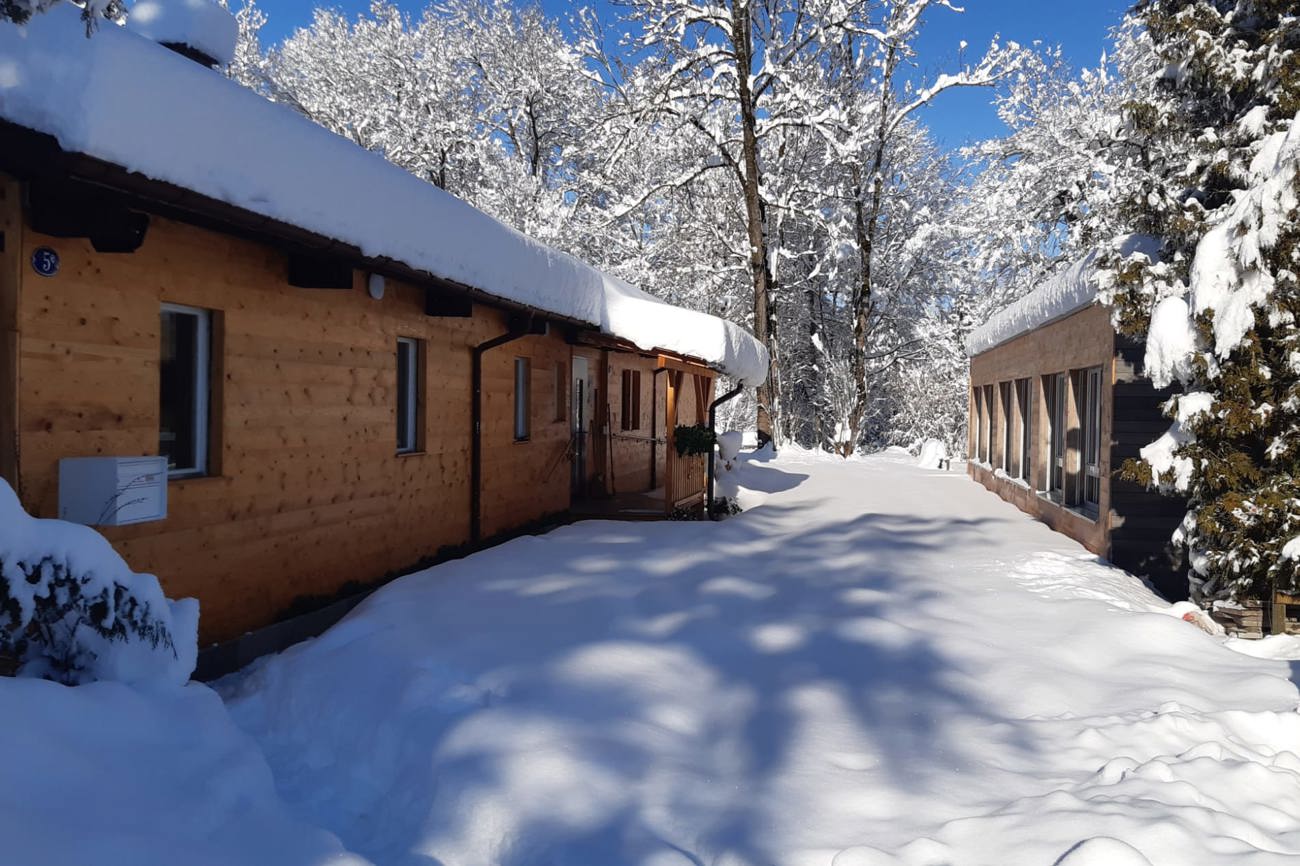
(71, 609)
(1213, 170)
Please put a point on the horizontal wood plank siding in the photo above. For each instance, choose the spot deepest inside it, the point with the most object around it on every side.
(311, 492)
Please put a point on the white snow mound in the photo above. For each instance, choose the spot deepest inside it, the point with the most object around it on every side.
(199, 24)
(933, 452)
(85, 554)
(111, 775)
(1103, 851)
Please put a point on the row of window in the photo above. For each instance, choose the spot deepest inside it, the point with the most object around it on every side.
(185, 392)
(1004, 431)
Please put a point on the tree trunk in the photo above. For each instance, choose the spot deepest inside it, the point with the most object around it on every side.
(755, 213)
(866, 216)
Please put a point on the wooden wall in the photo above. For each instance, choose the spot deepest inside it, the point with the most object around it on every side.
(11, 247)
(1142, 520)
(1083, 339)
(307, 491)
(633, 450)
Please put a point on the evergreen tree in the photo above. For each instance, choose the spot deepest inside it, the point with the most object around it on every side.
(1208, 162)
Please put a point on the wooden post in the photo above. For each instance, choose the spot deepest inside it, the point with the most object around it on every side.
(674, 378)
(11, 254)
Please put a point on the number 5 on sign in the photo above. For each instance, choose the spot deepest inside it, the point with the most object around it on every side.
(45, 261)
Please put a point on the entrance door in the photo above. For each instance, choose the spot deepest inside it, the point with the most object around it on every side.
(580, 425)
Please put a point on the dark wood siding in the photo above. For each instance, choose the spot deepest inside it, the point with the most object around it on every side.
(1143, 520)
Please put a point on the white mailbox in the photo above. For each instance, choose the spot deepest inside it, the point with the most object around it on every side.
(112, 491)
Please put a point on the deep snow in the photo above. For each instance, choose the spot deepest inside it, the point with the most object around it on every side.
(874, 664)
(880, 664)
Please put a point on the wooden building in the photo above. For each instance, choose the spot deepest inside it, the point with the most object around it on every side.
(329, 413)
(1058, 402)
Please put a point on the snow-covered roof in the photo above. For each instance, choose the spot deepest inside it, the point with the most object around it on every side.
(123, 99)
(1069, 290)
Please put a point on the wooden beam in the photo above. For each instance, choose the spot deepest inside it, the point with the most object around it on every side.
(11, 255)
(670, 362)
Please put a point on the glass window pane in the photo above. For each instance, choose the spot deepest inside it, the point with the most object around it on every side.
(521, 398)
(405, 395)
(179, 378)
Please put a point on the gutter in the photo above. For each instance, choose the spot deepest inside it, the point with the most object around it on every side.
(713, 453)
(519, 326)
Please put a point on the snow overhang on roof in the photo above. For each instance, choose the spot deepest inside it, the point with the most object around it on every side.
(122, 99)
(1068, 291)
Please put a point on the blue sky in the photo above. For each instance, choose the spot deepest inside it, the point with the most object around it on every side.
(1080, 27)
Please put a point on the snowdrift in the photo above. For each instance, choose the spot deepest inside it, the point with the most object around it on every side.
(45, 559)
(109, 775)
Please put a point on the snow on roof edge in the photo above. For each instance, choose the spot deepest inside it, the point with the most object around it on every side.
(1064, 293)
(123, 99)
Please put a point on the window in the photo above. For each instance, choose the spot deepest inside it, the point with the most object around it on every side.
(991, 413)
(1054, 389)
(1008, 426)
(184, 397)
(561, 389)
(978, 420)
(631, 413)
(1023, 406)
(408, 395)
(523, 398)
(1088, 398)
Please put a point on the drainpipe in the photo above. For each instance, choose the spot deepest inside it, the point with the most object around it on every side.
(519, 327)
(713, 454)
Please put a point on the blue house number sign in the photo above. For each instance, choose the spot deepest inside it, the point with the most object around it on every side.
(45, 261)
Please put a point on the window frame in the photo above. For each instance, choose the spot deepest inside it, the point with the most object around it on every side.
(1024, 406)
(410, 395)
(1008, 426)
(1056, 390)
(630, 412)
(1089, 409)
(201, 416)
(991, 420)
(523, 399)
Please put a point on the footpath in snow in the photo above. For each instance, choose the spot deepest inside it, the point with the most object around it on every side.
(875, 664)
(879, 664)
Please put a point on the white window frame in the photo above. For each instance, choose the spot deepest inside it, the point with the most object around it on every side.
(411, 396)
(523, 399)
(202, 387)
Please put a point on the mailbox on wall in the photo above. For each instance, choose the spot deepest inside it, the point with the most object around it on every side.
(112, 491)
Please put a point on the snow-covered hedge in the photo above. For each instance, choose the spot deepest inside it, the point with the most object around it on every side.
(72, 610)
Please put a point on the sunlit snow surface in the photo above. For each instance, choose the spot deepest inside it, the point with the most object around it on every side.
(875, 664)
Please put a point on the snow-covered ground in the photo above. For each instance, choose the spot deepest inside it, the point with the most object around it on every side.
(874, 664)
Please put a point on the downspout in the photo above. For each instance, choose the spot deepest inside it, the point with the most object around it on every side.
(654, 427)
(713, 452)
(518, 328)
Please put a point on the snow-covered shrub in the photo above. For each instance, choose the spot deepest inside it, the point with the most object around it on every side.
(72, 610)
(1214, 172)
